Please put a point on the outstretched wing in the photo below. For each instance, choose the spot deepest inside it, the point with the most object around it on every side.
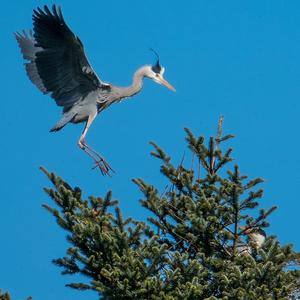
(57, 62)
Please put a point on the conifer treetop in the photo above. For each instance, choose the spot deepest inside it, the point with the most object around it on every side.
(196, 243)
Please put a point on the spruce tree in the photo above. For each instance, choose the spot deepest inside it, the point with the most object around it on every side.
(196, 243)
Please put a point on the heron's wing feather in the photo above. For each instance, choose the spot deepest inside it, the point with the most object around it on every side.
(60, 62)
(27, 44)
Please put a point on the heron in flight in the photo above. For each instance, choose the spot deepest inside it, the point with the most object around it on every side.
(57, 65)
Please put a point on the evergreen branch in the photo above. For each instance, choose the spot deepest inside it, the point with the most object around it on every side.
(224, 160)
(159, 153)
(79, 286)
(255, 224)
(236, 208)
(197, 147)
(214, 148)
(219, 131)
(56, 181)
(211, 155)
(253, 183)
(226, 137)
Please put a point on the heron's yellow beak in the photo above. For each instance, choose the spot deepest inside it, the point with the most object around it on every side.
(167, 84)
(164, 82)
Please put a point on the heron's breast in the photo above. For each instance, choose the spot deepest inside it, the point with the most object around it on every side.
(83, 110)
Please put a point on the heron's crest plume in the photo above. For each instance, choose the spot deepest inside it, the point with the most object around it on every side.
(157, 68)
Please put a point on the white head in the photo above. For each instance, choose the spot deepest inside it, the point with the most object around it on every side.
(156, 73)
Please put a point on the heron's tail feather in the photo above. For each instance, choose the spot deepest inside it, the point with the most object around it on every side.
(66, 118)
(56, 128)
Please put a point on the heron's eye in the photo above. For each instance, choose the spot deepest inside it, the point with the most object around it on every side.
(157, 75)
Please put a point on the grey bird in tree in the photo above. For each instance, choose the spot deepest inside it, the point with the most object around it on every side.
(256, 235)
(57, 65)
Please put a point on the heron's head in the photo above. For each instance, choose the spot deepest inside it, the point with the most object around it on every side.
(156, 73)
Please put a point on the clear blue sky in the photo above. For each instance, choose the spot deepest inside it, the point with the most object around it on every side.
(236, 58)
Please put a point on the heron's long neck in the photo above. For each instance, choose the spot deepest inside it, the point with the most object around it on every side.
(137, 83)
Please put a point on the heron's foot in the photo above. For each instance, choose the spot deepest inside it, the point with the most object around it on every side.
(104, 167)
(100, 163)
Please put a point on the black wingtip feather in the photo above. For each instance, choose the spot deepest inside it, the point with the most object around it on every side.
(46, 12)
(56, 10)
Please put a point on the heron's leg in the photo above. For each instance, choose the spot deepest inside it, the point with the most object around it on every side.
(99, 160)
(91, 118)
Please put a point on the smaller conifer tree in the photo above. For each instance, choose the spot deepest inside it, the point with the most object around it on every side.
(4, 296)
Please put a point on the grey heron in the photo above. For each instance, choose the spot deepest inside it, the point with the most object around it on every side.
(255, 235)
(56, 63)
